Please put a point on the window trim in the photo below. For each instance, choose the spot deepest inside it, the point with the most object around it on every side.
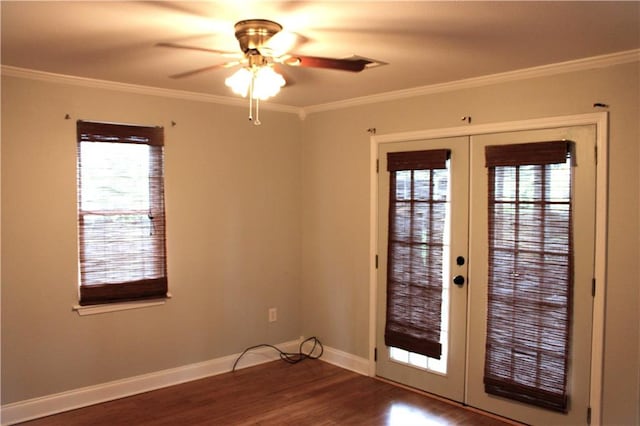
(85, 310)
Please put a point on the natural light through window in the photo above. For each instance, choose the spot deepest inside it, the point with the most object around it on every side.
(441, 190)
(115, 196)
(115, 176)
(121, 215)
(403, 414)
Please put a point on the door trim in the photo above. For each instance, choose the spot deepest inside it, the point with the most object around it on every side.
(601, 121)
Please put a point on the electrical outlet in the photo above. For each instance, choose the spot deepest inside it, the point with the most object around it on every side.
(273, 315)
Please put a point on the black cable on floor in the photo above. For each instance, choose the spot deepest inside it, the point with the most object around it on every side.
(290, 357)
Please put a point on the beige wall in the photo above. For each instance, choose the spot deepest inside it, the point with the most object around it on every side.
(265, 216)
(335, 173)
(233, 202)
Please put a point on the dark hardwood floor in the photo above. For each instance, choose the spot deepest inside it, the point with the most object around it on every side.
(308, 393)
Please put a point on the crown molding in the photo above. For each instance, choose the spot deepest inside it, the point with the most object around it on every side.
(12, 71)
(602, 61)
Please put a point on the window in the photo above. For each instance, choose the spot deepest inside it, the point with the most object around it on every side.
(121, 217)
(418, 247)
(530, 273)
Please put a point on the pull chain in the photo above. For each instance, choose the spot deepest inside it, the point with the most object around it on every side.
(251, 100)
(257, 122)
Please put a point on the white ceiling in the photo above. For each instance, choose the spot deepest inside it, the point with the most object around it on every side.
(423, 42)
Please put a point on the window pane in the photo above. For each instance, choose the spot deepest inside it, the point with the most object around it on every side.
(418, 238)
(441, 184)
(505, 184)
(529, 283)
(403, 184)
(399, 354)
(118, 240)
(121, 212)
(527, 182)
(417, 360)
(560, 175)
(114, 176)
(422, 185)
(402, 222)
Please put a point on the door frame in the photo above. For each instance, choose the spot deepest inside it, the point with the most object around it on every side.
(601, 121)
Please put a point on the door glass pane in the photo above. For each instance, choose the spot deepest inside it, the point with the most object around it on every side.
(424, 221)
(530, 283)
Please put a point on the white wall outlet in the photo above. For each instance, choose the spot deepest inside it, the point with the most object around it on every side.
(273, 314)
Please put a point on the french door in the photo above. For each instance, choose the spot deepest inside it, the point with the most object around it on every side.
(438, 216)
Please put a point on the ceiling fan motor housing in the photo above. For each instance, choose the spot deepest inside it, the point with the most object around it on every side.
(252, 34)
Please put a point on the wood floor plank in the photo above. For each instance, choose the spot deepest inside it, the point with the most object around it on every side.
(276, 393)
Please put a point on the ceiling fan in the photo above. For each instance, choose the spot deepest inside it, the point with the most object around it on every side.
(263, 44)
(260, 47)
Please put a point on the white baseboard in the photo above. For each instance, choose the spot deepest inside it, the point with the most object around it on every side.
(346, 360)
(57, 403)
(51, 404)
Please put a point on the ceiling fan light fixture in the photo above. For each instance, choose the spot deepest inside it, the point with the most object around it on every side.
(264, 43)
(266, 83)
(258, 82)
(240, 81)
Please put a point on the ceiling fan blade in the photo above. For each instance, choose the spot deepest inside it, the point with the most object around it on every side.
(280, 44)
(353, 65)
(205, 69)
(201, 49)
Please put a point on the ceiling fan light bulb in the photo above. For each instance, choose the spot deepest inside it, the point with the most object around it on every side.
(267, 83)
(240, 81)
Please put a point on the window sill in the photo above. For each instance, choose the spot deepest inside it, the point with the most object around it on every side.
(114, 307)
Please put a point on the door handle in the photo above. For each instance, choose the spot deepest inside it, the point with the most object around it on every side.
(458, 280)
